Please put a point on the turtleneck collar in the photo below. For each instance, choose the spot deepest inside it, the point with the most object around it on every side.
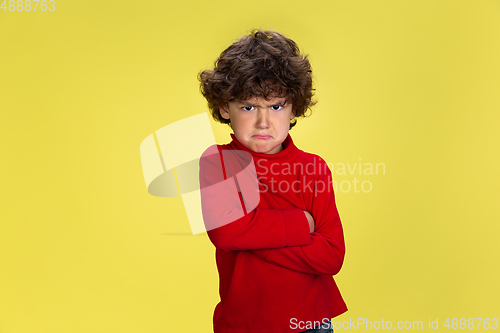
(289, 149)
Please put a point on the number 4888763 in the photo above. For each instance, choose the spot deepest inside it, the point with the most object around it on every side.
(28, 5)
(470, 323)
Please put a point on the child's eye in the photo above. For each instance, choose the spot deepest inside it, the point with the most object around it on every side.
(279, 106)
(245, 108)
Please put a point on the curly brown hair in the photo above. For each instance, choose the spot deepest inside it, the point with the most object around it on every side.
(261, 64)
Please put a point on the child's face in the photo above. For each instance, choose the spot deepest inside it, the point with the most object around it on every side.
(259, 125)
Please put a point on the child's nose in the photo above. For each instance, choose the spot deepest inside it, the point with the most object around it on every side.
(263, 119)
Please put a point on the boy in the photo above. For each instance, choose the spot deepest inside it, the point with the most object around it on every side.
(269, 207)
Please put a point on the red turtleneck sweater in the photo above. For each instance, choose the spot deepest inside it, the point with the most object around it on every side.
(274, 275)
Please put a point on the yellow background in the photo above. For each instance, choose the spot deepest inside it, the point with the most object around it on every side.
(411, 84)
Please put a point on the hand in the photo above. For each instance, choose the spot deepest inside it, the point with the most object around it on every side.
(310, 219)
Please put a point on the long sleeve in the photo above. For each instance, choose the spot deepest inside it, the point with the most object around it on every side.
(229, 226)
(270, 265)
(325, 254)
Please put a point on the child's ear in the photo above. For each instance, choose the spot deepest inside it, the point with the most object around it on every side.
(224, 112)
(293, 114)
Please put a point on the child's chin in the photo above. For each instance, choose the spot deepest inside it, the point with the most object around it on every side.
(268, 150)
(261, 150)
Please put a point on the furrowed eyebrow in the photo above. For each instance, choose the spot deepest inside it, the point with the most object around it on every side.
(282, 102)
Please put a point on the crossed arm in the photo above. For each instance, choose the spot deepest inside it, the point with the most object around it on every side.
(280, 237)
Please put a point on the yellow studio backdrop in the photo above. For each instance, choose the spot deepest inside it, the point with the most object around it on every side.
(408, 87)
